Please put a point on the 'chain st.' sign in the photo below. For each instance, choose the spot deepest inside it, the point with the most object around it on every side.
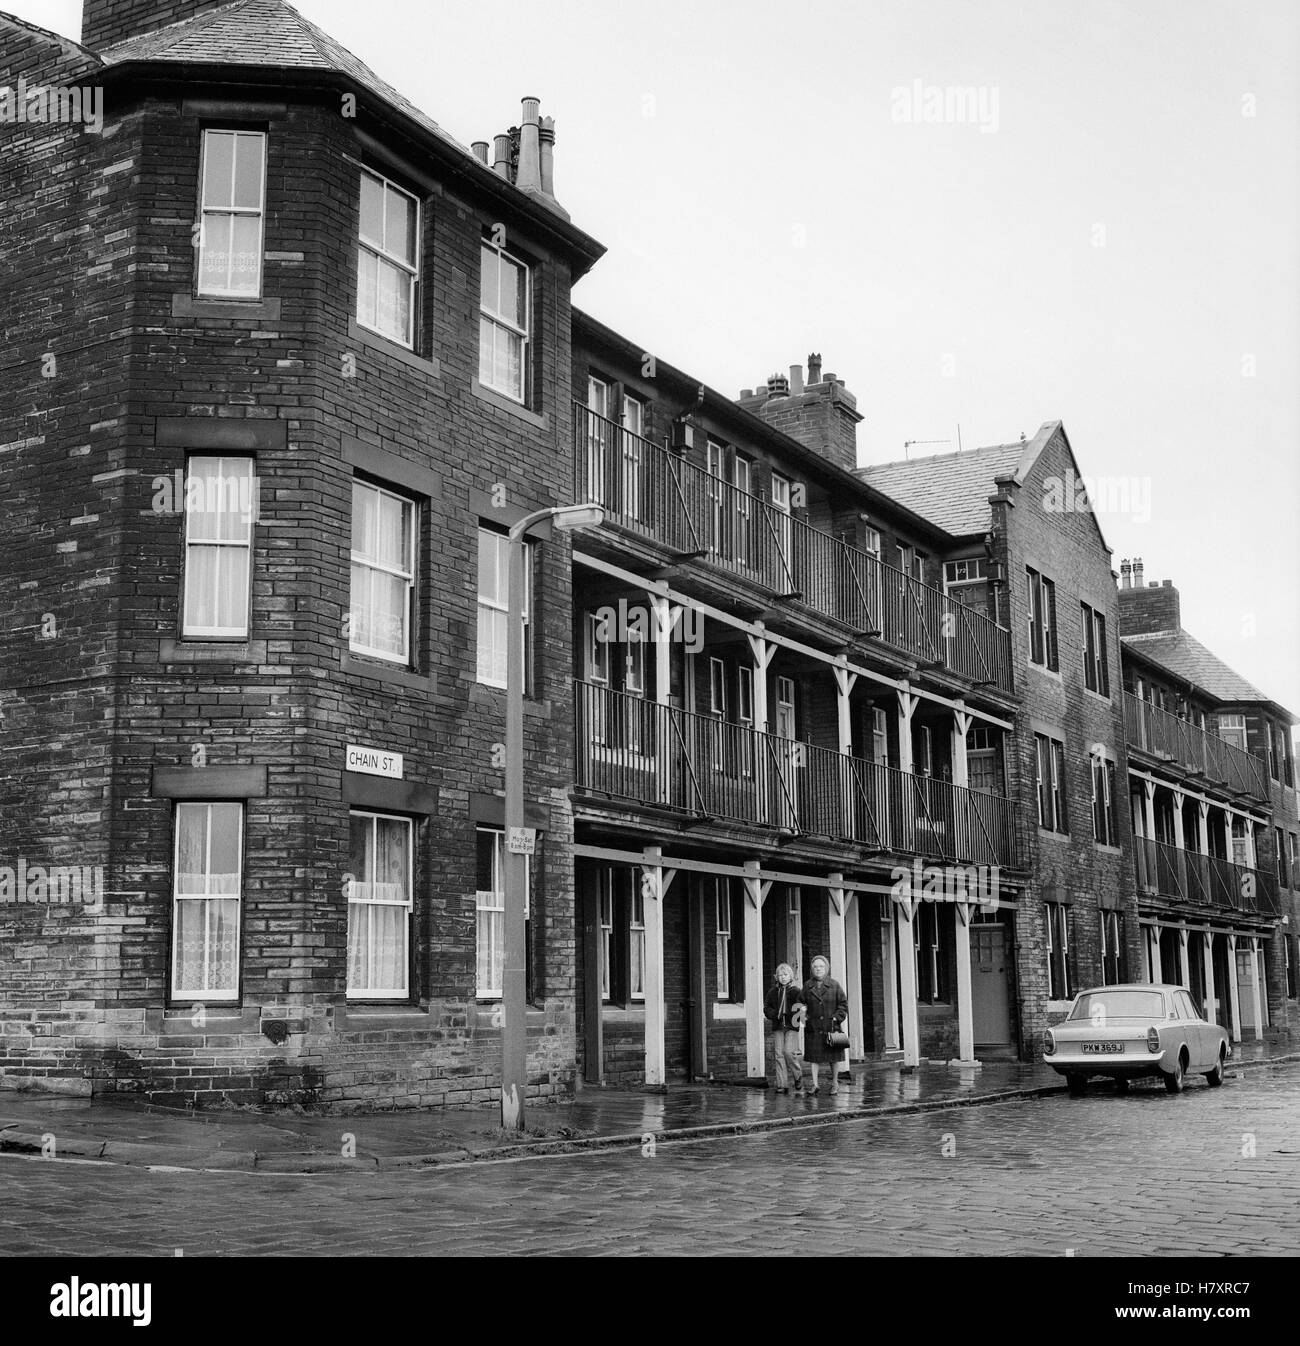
(374, 761)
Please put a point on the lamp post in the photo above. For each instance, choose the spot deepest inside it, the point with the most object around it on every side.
(514, 989)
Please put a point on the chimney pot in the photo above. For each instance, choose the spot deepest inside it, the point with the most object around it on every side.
(1167, 584)
(501, 157)
(480, 148)
(546, 134)
(814, 369)
(796, 379)
(778, 386)
(528, 174)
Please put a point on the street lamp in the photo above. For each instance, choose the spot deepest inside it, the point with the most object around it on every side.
(514, 989)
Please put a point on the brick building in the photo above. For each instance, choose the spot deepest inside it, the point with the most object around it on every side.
(1214, 817)
(285, 362)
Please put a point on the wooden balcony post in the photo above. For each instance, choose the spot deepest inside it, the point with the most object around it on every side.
(1153, 953)
(1234, 988)
(904, 914)
(1257, 978)
(756, 891)
(839, 950)
(1184, 887)
(965, 1009)
(662, 611)
(1211, 1001)
(960, 768)
(844, 684)
(1184, 971)
(1149, 809)
(655, 883)
(762, 652)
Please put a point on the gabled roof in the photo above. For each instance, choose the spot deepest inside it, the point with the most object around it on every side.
(265, 33)
(952, 489)
(1185, 657)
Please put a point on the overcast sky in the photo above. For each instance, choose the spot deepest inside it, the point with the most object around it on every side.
(1112, 242)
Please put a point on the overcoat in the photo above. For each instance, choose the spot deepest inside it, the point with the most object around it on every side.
(828, 1009)
(772, 1005)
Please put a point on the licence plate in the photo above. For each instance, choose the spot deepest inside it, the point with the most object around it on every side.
(1098, 1048)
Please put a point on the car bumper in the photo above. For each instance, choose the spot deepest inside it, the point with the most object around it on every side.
(1130, 1064)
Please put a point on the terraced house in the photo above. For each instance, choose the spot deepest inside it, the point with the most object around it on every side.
(285, 363)
(1212, 799)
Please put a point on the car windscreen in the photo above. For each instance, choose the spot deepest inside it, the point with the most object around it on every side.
(1120, 1005)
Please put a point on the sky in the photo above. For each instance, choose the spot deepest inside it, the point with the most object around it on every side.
(1104, 232)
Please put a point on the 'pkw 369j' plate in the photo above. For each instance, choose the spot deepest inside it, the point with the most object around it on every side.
(1097, 1048)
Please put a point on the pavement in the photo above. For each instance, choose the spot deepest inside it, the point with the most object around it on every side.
(121, 1131)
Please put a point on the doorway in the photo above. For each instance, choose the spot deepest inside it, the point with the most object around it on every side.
(990, 985)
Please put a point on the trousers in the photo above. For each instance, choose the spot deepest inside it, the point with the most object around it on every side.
(785, 1045)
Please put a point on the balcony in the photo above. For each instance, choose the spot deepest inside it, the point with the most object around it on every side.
(641, 752)
(1207, 882)
(1161, 734)
(658, 495)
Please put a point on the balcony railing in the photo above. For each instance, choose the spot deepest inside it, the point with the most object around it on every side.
(1161, 734)
(659, 495)
(643, 752)
(1206, 881)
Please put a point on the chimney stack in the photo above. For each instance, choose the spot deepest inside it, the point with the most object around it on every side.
(1125, 574)
(1137, 572)
(819, 412)
(1155, 608)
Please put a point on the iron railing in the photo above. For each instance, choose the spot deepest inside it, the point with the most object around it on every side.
(658, 494)
(1161, 734)
(647, 753)
(1206, 881)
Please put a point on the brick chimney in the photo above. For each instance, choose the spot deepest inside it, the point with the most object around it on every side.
(1144, 611)
(819, 412)
(104, 23)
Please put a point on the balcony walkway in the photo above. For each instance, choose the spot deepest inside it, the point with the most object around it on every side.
(1205, 882)
(641, 752)
(1162, 735)
(659, 496)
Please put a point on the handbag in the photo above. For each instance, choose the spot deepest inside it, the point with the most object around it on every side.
(837, 1041)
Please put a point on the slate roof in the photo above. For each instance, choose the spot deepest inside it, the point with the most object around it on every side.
(951, 489)
(265, 33)
(1185, 657)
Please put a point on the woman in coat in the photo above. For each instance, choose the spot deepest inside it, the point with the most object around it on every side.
(782, 1009)
(827, 1009)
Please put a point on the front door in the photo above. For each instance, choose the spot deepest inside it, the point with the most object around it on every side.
(990, 994)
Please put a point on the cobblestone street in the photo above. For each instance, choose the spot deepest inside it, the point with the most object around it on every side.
(1205, 1172)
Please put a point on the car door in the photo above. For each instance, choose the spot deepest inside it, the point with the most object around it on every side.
(1194, 1026)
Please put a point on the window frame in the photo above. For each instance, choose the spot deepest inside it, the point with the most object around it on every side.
(386, 994)
(223, 995)
(501, 607)
(498, 908)
(382, 254)
(524, 334)
(1058, 950)
(1044, 649)
(230, 212)
(406, 658)
(217, 633)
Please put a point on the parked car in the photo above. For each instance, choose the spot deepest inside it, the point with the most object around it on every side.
(1125, 1032)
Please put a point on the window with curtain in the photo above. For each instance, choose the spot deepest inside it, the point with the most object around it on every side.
(494, 609)
(490, 903)
(231, 208)
(379, 906)
(387, 259)
(1058, 950)
(383, 573)
(206, 893)
(723, 937)
(504, 322)
(220, 507)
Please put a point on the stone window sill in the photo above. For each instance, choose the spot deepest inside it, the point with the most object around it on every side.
(508, 404)
(255, 310)
(211, 651)
(423, 364)
(396, 675)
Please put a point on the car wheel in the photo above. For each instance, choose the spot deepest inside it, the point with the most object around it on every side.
(1074, 1084)
(1121, 1085)
(1214, 1078)
(1174, 1082)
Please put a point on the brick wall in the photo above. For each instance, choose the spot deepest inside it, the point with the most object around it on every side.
(103, 246)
